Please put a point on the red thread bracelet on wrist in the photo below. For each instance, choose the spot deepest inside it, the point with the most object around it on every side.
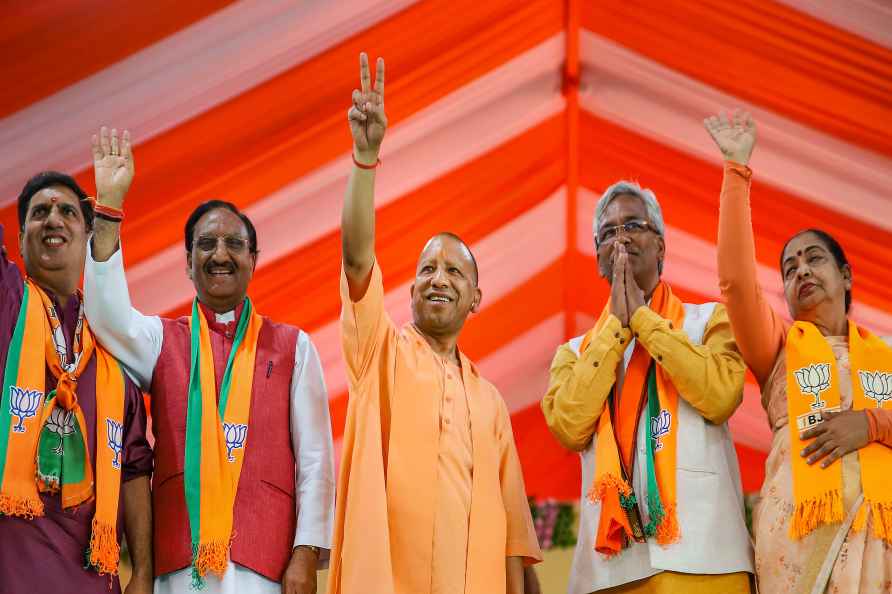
(363, 165)
(109, 212)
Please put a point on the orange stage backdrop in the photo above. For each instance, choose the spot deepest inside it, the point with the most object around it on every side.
(507, 121)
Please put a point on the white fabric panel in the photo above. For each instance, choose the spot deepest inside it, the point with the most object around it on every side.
(181, 76)
(871, 19)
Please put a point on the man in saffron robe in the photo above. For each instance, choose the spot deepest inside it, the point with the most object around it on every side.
(244, 472)
(431, 497)
(44, 531)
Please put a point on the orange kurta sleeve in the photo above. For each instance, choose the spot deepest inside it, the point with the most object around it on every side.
(758, 329)
(880, 422)
(521, 538)
(364, 324)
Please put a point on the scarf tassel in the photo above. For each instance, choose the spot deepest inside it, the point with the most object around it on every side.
(668, 530)
(22, 507)
(104, 551)
(809, 514)
(611, 482)
(208, 557)
(881, 512)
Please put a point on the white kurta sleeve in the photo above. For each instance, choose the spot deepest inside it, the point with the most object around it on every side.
(313, 449)
(132, 338)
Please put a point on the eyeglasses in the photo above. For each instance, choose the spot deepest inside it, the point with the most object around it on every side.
(234, 245)
(608, 234)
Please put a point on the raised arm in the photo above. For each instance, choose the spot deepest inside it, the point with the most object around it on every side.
(113, 166)
(758, 329)
(131, 337)
(367, 124)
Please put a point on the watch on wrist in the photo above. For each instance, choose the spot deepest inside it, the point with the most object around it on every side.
(313, 549)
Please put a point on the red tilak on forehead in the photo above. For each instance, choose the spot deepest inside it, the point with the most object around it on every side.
(54, 199)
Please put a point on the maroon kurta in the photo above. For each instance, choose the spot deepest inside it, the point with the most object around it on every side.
(46, 555)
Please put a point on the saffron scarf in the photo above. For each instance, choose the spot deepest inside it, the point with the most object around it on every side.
(813, 387)
(43, 442)
(216, 437)
(645, 383)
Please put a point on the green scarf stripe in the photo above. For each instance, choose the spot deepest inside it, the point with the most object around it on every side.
(240, 332)
(10, 375)
(654, 503)
(192, 468)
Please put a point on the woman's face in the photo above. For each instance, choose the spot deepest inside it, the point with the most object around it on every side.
(812, 279)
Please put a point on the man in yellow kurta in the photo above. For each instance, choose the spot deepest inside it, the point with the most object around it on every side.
(431, 496)
(644, 397)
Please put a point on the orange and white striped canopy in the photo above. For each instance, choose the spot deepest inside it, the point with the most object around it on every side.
(507, 121)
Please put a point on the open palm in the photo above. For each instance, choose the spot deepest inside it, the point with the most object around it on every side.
(113, 166)
(368, 121)
(735, 136)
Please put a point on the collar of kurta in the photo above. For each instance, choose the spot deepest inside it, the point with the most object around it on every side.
(221, 322)
(464, 362)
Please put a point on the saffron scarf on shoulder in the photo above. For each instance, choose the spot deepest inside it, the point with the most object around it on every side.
(645, 384)
(43, 439)
(812, 387)
(216, 437)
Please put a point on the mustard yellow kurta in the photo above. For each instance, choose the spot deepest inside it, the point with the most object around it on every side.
(402, 476)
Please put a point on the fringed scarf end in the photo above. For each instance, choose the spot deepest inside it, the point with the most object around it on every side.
(811, 513)
(668, 530)
(611, 482)
(104, 551)
(881, 516)
(208, 557)
(22, 507)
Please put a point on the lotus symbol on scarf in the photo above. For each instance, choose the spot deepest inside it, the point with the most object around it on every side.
(876, 385)
(60, 422)
(114, 433)
(659, 426)
(23, 403)
(813, 380)
(235, 434)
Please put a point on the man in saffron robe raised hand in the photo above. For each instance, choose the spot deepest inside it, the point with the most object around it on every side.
(243, 450)
(74, 459)
(431, 496)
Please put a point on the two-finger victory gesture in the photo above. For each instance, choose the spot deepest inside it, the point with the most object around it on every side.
(368, 121)
(113, 166)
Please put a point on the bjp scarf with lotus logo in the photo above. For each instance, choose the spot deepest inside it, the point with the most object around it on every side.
(216, 434)
(647, 389)
(43, 442)
(812, 388)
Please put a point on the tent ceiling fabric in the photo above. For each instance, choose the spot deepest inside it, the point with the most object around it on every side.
(507, 121)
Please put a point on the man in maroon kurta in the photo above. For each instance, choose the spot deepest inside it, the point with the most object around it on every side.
(46, 554)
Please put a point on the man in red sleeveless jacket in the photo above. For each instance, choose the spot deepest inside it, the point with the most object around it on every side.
(279, 455)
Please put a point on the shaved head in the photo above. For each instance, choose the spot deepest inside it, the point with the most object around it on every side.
(445, 289)
(464, 246)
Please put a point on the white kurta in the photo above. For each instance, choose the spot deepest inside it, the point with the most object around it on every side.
(135, 340)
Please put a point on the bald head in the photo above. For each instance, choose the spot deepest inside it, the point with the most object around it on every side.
(445, 289)
(449, 237)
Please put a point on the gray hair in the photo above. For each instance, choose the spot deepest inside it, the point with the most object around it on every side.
(654, 212)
